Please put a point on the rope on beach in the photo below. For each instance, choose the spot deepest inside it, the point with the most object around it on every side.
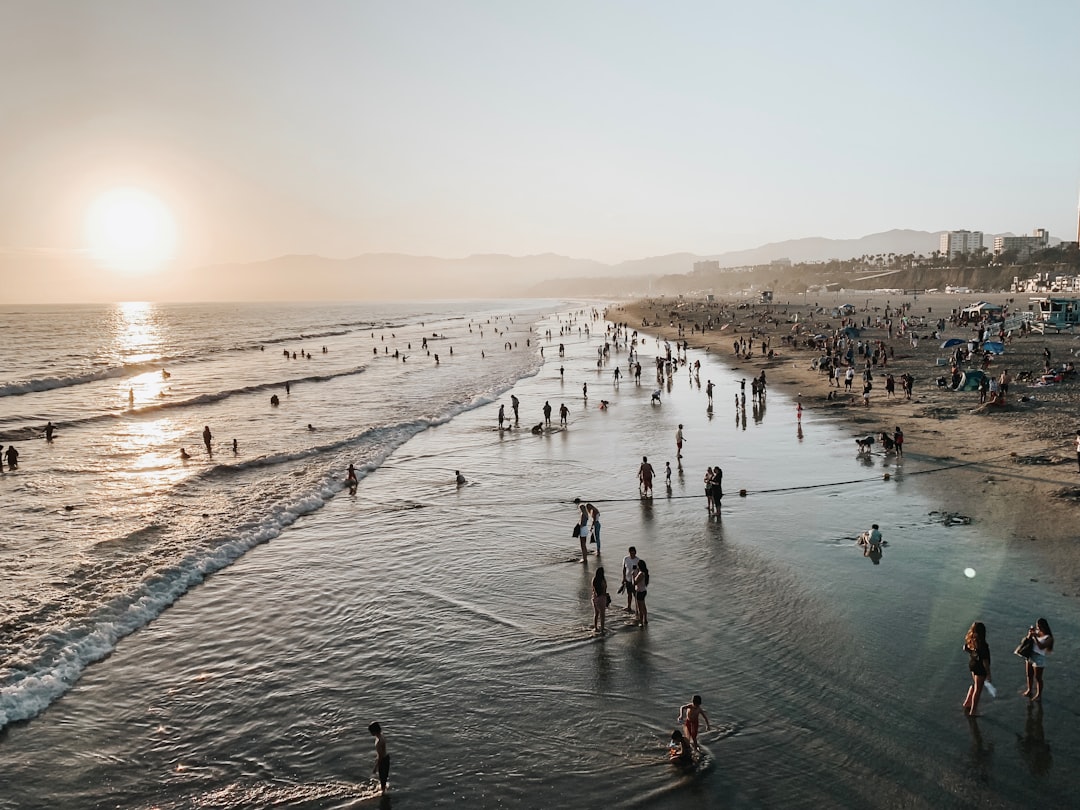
(774, 490)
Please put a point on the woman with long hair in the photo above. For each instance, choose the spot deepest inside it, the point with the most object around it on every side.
(599, 598)
(641, 587)
(1042, 645)
(979, 663)
(708, 489)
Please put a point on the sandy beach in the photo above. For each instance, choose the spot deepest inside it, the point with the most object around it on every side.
(1011, 465)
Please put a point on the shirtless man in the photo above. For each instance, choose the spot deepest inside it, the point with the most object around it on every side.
(629, 568)
(645, 476)
(678, 442)
(382, 759)
(690, 716)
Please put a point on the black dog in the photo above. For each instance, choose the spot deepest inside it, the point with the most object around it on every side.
(865, 443)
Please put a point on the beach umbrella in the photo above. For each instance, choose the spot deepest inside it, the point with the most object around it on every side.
(948, 344)
(994, 347)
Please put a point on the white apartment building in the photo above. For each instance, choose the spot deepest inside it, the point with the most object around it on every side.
(1023, 245)
(955, 243)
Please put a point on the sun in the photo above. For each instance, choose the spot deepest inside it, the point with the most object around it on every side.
(130, 230)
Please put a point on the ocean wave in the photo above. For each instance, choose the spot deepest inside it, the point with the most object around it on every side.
(49, 667)
(37, 384)
(35, 431)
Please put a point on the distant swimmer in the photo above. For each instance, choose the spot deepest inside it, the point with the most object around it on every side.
(184, 454)
(49, 432)
(165, 375)
(131, 396)
(207, 437)
(351, 480)
(459, 478)
(274, 400)
(310, 426)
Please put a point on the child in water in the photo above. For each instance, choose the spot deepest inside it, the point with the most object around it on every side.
(690, 716)
(679, 749)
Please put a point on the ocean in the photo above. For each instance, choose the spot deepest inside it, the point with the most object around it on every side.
(219, 631)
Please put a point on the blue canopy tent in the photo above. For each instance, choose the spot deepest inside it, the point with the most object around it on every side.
(948, 344)
(970, 380)
(994, 347)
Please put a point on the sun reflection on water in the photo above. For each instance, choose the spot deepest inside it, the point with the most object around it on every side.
(137, 339)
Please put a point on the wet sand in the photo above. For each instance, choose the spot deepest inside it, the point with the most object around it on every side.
(1013, 466)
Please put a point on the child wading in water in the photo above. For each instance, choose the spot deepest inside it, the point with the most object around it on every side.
(690, 716)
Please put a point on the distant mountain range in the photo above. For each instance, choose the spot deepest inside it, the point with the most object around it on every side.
(401, 276)
(397, 275)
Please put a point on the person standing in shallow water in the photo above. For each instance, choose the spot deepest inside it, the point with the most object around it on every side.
(1043, 645)
(382, 758)
(583, 530)
(207, 438)
(645, 476)
(979, 664)
(599, 598)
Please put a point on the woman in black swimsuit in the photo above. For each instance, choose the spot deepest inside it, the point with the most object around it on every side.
(979, 663)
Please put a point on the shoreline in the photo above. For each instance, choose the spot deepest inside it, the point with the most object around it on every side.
(1015, 464)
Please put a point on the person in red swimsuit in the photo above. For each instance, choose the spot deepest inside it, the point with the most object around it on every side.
(690, 716)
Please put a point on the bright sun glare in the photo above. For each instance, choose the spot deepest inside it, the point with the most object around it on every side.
(130, 230)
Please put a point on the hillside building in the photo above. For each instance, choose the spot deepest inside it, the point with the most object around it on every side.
(1023, 245)
(956, 243)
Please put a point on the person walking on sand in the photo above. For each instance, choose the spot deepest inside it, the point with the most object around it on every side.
(979, 664)
(600, 599)
(629, 568)
(645, 476)
(678, 442)
(690, 716)
(1042, 645)
(382, 758)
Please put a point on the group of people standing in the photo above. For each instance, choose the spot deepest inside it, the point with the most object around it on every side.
(635, 584)
(1034, 648)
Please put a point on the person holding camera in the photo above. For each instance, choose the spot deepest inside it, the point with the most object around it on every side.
(1042, 645)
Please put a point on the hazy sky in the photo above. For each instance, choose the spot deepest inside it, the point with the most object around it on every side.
(605, 130)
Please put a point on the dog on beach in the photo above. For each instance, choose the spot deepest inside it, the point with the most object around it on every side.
(866, 443)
